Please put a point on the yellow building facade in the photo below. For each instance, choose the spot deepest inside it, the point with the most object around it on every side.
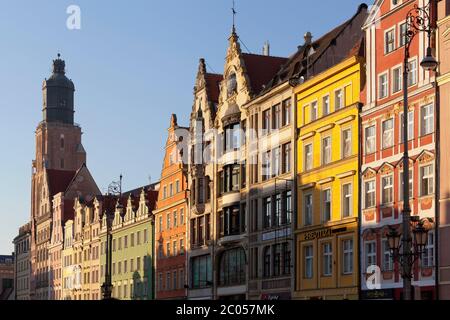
(326, 232)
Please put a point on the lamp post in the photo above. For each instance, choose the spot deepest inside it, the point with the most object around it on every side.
(115, 188)
(417, 20)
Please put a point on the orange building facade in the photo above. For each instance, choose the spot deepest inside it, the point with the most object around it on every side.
(170, 222)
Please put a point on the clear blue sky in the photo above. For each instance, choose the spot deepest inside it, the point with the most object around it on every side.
(133, 64)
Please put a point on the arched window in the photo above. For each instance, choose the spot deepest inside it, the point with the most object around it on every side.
(232, 267)
(62, 142)
(231, 84)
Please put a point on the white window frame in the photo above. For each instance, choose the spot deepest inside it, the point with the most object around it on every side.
(428, 176)
(308, 257)
(429, 253)
(415, 72)
(423, 119)
(343, 141)
(374, 190)
(374, 137)
(391, 130)
(305, 167)
(411, 184)
(370, 255)
(388, 264)
(314, 106)
(346, 252)
(342, 99)
(344, 197)
(380, 85)
(394, 44)
(305, 215)
(410, 123)
(323, 204)
(323, 151)
(390, 186)
(327, 97)
(399, 33)
(400, 74)
(327, 258)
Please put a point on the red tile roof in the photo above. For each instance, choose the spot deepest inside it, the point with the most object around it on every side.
(213, 86)
(261, 69)
(59, 180)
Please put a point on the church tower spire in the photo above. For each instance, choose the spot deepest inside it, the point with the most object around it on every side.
(58, 95)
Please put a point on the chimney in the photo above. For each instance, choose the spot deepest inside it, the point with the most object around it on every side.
(266, 49)
(308, 38)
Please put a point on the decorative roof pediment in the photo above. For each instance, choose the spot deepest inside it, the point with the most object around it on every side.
(369, 173)
(425, 157)
(386, 168)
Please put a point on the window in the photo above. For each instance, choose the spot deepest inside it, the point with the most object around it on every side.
(276, 120)
(397, 79)
(181, 216)
(326, 205)
(369, 188)
(145, 236)
(277, 217)
(132, 239)
(427, 180)
(383, 86)
(175, 215)
(138, 263)
(267, 212)
(175, 280)
(326, 105)
(168, 249)
(410, 184)
(388, 133)
(181, 246)
(326, 150)
(232, 267)
(276, 153)
(171, 189)
(230, 221)
(370, 140)
(309, 256)
(177, 186)
(287, 112)
(327, 259)
(314, 111)
(346, 200)
(389, 40)
(338, 99)
(266, 165)
(175, 252)
(168, 221)
(288, 206)
(346, 143)
(232, 136)
(138, 238)
(165, 192)
(231, 84)
(387, 257)
(308, 157)
(287, 157)
(276, 260)
(427, 123)
(168, 281)
(412, 73)
(410, 126)
(266, 121)
(428, 255)
(308, 204)
(286, 258)
(402, 29)
(267, 258)
(371, 254)
(347, 249)
(387, 190)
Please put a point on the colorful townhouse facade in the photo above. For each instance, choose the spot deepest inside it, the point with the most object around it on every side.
(382, 150)
(22, 263)
(170, 218)
(271, 178)
(328, 99)
(132, 245)
(201, 218)
(442, 133)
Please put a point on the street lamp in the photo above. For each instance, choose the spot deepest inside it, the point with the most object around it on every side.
(417, 20)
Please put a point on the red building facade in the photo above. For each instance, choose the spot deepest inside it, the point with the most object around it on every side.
(382, 150)
(170, 222)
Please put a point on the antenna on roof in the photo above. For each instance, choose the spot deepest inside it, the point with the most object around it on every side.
(233, 10)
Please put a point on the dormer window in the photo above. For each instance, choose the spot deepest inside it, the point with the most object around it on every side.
(231, 84)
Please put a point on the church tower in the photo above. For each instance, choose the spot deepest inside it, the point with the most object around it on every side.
(59, 158)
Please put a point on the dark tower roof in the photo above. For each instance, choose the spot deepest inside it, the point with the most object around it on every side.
(58, 92)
